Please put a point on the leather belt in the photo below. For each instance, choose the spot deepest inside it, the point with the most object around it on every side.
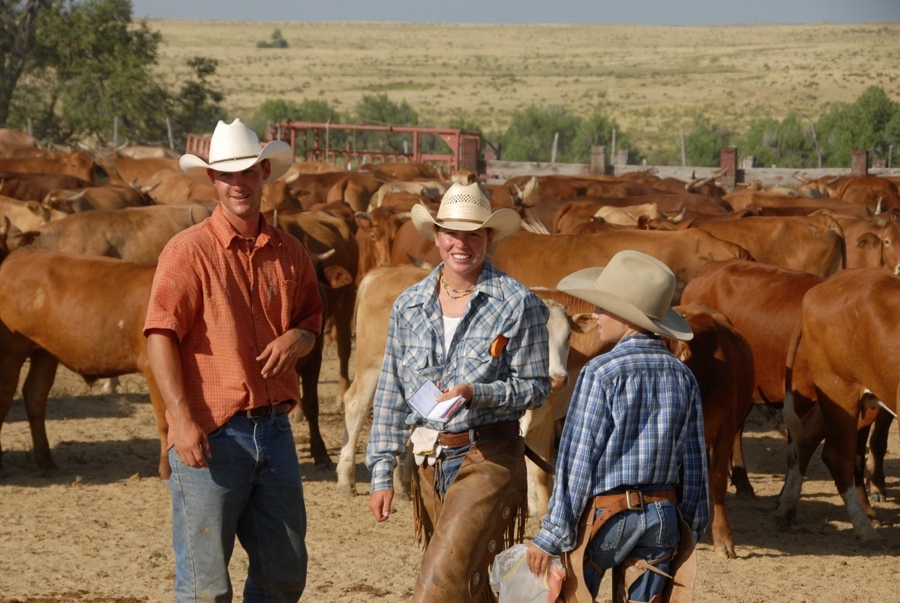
(630, 500)
(266, 411)
(486, 432)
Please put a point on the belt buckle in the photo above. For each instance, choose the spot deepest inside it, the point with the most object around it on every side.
(639, 506)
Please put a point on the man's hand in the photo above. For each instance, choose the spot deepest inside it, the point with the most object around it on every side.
(380, 504)
(538, 560)
(281, 355)
(191, 443)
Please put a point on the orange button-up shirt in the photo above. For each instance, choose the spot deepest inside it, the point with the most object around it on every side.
(226, 299)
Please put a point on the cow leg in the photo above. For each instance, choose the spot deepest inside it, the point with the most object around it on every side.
(723, 544)
(813, 432)
(311, 366)
(35, 391)
(838, 454)
(537, 428)
(10, 367)
(739, 476)
(859, 472)
(343, 322)
(162, 426)
(357, 403)
(877, 451)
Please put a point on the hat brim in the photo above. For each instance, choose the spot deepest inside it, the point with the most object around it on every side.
(278, 152)
(504, 223)
(581, 284)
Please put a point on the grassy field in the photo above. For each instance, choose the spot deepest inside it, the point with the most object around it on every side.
(651, 80)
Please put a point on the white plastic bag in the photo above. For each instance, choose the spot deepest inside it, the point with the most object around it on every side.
(511, 578)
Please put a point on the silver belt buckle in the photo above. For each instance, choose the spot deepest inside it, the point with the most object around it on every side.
(639, 506)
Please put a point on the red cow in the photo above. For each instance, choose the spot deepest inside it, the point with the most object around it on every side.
(850, 335)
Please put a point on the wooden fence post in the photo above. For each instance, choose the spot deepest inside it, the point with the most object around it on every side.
(598, 160)
(728, 162)
(859, 163)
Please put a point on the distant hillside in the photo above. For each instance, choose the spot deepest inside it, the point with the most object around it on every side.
(652, 80)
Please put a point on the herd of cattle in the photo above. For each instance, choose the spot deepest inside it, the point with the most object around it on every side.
(790, 293)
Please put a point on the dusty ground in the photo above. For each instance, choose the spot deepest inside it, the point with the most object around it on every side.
(98, 529)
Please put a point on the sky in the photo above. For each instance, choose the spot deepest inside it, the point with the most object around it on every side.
(631, 12)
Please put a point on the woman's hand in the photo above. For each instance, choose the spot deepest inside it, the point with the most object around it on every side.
(465, 390)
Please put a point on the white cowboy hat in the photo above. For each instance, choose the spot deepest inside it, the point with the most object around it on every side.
(235, 147)
(466, 207)
(635, 287)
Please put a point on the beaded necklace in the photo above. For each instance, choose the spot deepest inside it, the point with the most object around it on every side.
(459, 292)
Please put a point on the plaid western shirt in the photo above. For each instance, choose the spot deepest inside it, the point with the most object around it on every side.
(226, 300)
(504, 386)
(635, 419)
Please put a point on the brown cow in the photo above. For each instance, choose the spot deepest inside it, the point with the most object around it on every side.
(76, 163)
(763, 303)
(104, 197)
(542, 260)
(34, 187)
(321, 232)
(355, 189)
(26, 215)
(722, 362)
(133, 234)
(85, 312)
(870, 242)
(850, 335)
(375, 236)
(15, 138)
(811, 244)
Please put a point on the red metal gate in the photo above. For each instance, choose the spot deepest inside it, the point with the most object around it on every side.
(313, 142)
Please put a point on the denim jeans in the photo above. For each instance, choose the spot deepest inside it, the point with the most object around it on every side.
(251, 489)
(649, 534)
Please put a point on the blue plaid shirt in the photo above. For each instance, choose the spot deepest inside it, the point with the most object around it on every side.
(635, 419)
(504, 387)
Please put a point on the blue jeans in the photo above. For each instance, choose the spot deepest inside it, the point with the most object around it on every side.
(251, 489)
(649, 534)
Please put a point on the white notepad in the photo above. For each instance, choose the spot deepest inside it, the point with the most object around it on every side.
(424, 401)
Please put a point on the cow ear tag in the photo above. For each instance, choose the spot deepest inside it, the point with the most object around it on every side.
(498, 345)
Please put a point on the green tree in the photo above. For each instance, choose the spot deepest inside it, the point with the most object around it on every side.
(379, 110)
(86, 63)
(18, 24)
(704, 143)
(531, 131)
(789, 143)
(196, 106)
(277, 41)
(872, 123)
(598, 130)
(309, 110)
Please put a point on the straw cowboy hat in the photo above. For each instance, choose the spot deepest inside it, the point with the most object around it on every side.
(235, 147)
(635, 287)
(466, 207)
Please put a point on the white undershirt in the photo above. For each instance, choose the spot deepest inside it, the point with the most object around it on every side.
(450, 325)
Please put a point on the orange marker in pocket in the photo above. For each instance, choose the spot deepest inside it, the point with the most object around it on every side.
(498, 345)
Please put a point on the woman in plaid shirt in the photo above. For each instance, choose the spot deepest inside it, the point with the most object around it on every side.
(479, 334)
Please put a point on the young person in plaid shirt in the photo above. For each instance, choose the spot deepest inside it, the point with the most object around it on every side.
(632, 454)
(479, 334)
(234, 304)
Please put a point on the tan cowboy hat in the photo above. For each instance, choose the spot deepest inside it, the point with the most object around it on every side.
(466, 207)
(235, 147)
(635, 287)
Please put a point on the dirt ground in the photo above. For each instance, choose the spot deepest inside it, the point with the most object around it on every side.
(98, 529)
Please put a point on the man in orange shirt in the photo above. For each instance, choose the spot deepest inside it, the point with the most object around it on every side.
(234, 304)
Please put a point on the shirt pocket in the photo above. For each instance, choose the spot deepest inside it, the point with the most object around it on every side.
(277, 299)
(478, 365)
(417, 367)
